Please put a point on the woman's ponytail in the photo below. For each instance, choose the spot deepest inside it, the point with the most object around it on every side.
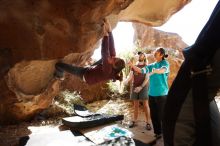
(166, 55)
(162, 52)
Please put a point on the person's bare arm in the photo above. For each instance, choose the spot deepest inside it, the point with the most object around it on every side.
(129, 78)
(137, 69)
(145, 81)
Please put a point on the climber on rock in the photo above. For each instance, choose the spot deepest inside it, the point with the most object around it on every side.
(107, 68)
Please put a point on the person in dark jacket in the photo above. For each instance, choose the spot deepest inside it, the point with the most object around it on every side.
(107, 68)
(191, 116)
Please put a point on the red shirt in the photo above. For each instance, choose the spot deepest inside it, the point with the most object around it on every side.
(103, 71)
(138, 77)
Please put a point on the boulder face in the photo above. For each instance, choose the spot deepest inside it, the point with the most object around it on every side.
(151, 38)
(34, 34)
(88, 93)
(151, 12)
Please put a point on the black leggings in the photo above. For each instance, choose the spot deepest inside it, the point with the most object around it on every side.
(75, 70)
(156, 104)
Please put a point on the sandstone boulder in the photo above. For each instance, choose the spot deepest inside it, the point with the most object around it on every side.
(34, 34)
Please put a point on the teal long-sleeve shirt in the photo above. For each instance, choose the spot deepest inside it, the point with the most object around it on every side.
(158, 85)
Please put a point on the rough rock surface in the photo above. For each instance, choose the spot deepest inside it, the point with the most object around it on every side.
(151, 12)
(151, 38)
(36, 33)
(89, 93)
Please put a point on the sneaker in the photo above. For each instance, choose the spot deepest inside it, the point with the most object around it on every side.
(157, 136)
(148, 126)
(131, 125)
(59, 75)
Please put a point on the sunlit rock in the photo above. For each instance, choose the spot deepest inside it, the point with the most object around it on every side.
(151, 38)
(151, 12)
(34, 34)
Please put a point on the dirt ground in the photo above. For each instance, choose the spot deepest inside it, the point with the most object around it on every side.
(9, 135)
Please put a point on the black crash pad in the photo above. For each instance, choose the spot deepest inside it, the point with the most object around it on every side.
(84, 118)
